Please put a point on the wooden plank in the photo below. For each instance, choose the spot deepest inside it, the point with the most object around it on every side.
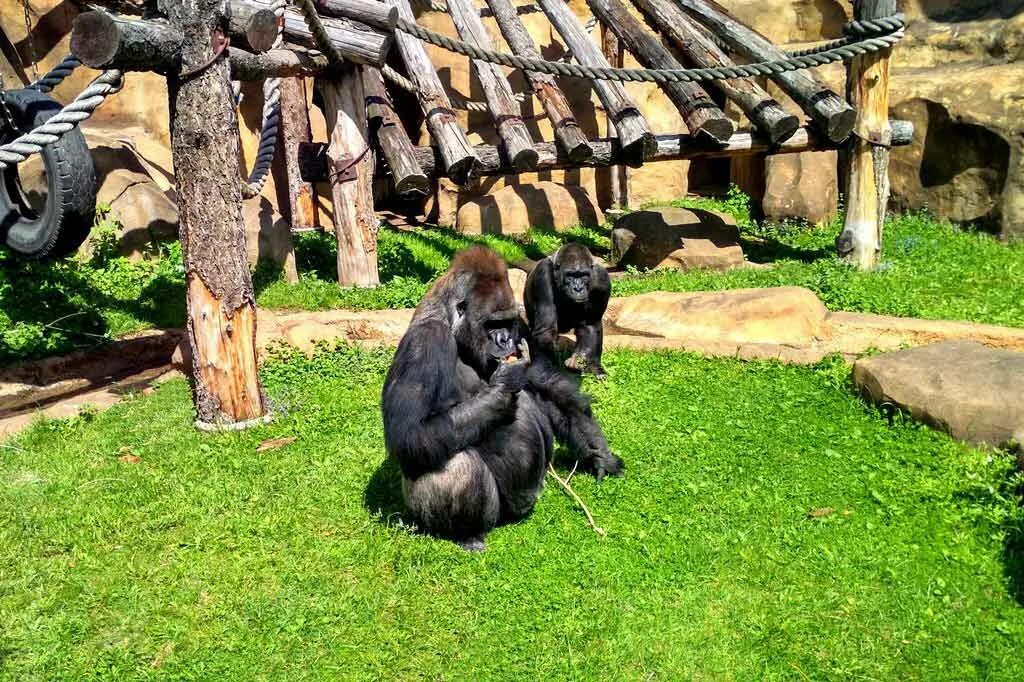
(355, 222)
(556, 106)
(501, 101)
(867, 192)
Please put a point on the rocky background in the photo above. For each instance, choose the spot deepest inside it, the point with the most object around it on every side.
(958, 76)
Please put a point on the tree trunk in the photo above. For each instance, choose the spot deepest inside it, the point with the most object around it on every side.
(868, 176)
(295, 197)
(355, 222)
(221, 326)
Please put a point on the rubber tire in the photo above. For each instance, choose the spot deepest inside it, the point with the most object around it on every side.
(70, 209)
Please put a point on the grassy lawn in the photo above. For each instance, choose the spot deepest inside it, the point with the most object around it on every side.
(203, 559)
(931, 269)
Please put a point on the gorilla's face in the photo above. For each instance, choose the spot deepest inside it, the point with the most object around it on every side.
(576, 284)
(487, 326)
(574, 268)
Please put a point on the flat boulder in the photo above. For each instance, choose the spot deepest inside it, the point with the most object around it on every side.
(779, 315)
(517, 208)
(970, 391)
(678, 238)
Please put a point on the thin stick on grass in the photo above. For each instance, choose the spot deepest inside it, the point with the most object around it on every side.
(583, 506)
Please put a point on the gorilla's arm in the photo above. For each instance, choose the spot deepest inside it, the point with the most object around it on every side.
(541, 312)
(589, 332)
(424, 421)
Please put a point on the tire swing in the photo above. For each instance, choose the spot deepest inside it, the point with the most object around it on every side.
(53, 226)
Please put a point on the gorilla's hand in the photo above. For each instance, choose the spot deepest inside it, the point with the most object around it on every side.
(603, 463)
(510, 377)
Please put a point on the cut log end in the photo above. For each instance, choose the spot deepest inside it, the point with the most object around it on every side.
(94, 38)
(782, 127)
(717, 130)
(412, 185)
(642, 148)
(525, 159)
(261, 30)
(460, 171)
(841, 124)
(581, 152)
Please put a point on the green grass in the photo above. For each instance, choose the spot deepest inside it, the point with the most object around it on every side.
(206, 560)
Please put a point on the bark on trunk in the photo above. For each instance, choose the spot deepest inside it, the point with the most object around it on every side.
(104, 41)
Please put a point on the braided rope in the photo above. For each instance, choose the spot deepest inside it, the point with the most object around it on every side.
(271, 118)
(76, 111)
(876, 35)
(320, 37)
(56, 75)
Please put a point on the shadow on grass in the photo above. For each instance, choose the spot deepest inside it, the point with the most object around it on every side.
(383, 494)
(762, 250)
(1013, 549)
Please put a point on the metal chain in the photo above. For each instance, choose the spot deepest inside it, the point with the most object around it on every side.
(884, 32)
(76, 111)
(271, 117)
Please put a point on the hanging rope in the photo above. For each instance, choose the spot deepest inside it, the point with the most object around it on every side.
(76, 111)
(271, 118)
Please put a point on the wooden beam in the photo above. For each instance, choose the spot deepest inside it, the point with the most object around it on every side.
(501, 102)
(349, 154)
(702, 116)
(456, 150)
(556, 106)
(394, 142)
(631, 126)
(867, 194)
(295, 196)
(608, 151)
(356, 41)
(246, 66)
(829, 111)
(104, 41)
(762, 110)
(370, 12)
(221, 305)
(618, 175)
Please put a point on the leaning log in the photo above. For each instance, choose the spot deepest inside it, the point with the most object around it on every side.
(295, 197)
(827, 109)
(221, 305)
(501, 101)
(608, 151)
(356, 42)
(246, 66)
(556, 106)
(394, 142)
(867, 192)
(618, 176)
(760, 107)
(370, 12)
(456, 150)
(702, 116)
(104, 41)
(630, 125)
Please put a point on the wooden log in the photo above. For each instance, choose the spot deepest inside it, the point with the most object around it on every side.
(556, 106)
(829, 111)
(501, 101)
(221, 305)
(394, 142)
(261, 30)
(246, 66)
(295, 197)
(702, 116)
(608, 151)
(632, 128)
(456, 150)
(748, 172)
(355, 41)
(104, 41)
(867, 194)
(355, 222)
(373, 13)
(618, 175)
(762, 110)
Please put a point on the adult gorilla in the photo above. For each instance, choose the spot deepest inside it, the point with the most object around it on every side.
(472, 422)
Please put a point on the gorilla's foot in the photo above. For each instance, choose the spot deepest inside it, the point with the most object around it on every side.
(475, 544)
(577, 363)
(597, 370)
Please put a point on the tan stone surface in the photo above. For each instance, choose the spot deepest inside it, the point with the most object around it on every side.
(801, 186)
(517, 208)
(677, 238)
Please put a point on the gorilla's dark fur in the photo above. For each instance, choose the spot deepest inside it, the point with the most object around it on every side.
(471, 433)
(569, 292)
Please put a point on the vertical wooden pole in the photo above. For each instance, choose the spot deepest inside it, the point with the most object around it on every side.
(618, 175)
(747, 172)
(350, 163)
(867, 194)
(296, 197)
(221, 325)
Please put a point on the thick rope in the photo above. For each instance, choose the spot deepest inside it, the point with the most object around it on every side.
(76, 111)
(271, 118)
(56, 75)
(320, 37)
(884, 32)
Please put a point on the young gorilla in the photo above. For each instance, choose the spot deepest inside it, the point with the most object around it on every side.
(471, 422)
(569, 291)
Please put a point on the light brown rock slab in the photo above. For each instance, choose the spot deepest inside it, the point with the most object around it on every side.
(970, 391)
(677, 238)
(517, 208)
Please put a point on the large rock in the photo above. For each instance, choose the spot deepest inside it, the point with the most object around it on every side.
(679, 238)
(968, 390)
(517, 208)
(782, 315)
(801, 186)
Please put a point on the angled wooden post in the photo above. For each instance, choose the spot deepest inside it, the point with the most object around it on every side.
(618, 176)
(867, 192)
(221, 326)
(350, 172)
(296, 198)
